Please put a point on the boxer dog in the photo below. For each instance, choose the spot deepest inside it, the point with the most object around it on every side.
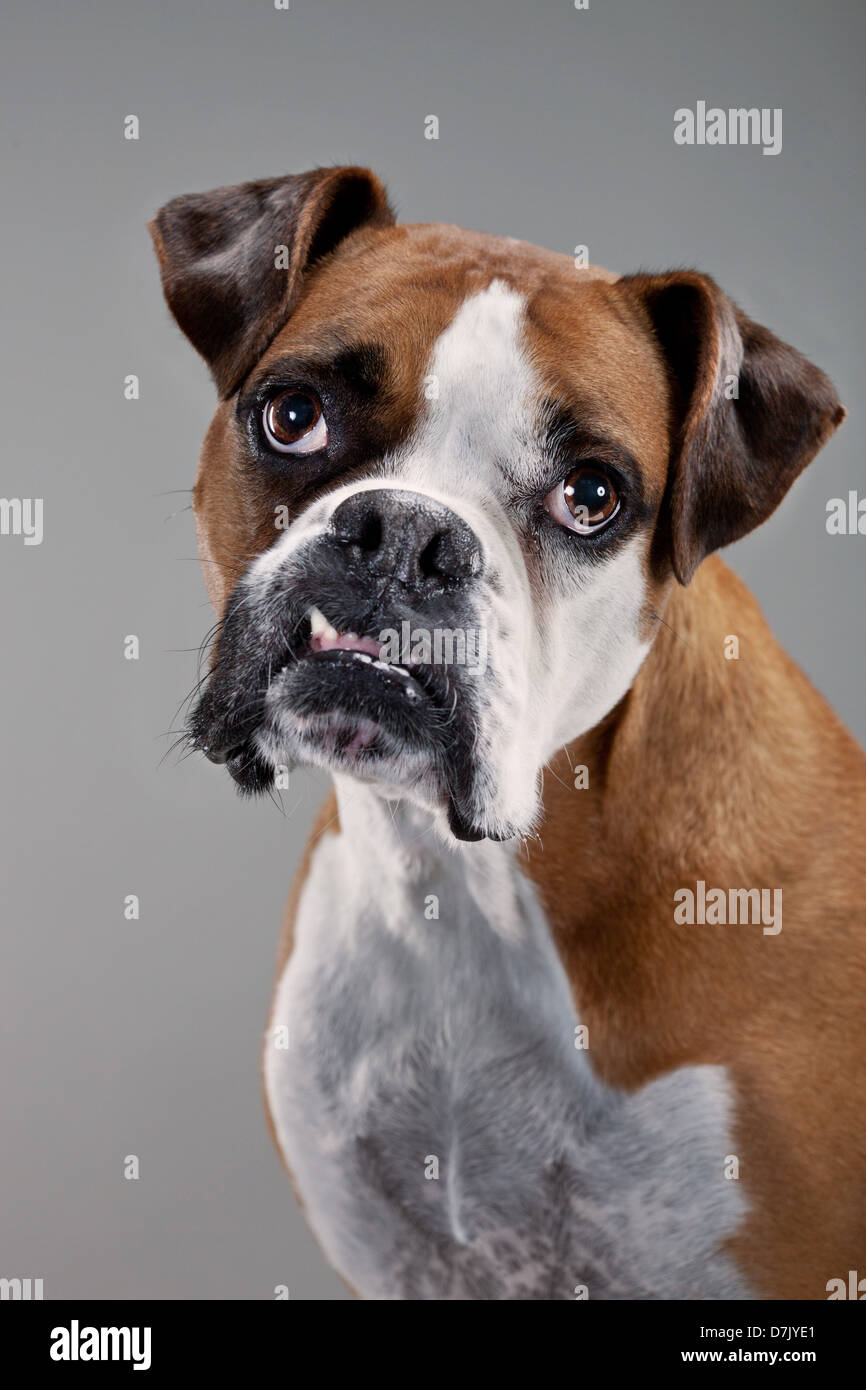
(570, 995)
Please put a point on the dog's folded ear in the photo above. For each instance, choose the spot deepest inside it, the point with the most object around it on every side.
(233, 260)
(751, 412)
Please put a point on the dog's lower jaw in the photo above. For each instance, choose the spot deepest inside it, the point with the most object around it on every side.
(457, 799)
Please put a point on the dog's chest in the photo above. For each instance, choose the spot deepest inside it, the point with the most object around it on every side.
(447, 1136)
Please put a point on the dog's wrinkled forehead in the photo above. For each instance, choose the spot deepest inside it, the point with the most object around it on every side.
(475, 344)
(489, 401)
(455, 356)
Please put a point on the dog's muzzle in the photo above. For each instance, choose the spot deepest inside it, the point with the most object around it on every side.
(302, 673)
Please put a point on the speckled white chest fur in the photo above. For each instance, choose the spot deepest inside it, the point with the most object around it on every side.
(447, 1137)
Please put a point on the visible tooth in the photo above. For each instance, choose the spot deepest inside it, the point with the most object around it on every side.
(319, 625)
(362, 656)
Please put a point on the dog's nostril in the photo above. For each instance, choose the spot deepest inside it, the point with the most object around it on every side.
(358, 525)
(452, 553)
(433, 561)
(370, 533)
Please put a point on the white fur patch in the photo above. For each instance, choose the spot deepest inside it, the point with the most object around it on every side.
(447, 1138)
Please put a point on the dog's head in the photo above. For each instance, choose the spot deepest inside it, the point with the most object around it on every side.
(449, 482)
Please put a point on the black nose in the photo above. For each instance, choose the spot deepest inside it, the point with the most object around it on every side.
(408, 537)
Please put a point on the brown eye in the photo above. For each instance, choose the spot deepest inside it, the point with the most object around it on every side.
(585, 501)
(294, 423)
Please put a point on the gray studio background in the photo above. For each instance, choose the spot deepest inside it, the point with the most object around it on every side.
(557, 127)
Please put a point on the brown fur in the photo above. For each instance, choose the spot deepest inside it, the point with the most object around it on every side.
(734, 772)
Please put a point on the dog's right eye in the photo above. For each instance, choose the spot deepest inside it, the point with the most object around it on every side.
(585, 501)
(294, 423)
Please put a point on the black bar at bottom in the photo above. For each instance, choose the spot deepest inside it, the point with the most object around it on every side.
(66, 1338)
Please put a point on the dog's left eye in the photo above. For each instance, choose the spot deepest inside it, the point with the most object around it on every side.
(294, 423)
(585, 501)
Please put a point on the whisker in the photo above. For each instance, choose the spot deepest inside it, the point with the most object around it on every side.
(659, 619)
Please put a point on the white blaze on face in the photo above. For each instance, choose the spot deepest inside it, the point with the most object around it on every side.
(561, 658)
(482, 415)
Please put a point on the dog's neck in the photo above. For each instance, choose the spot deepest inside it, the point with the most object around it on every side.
(395, 852)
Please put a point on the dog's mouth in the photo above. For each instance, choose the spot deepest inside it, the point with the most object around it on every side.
(331, 697)
(343, 652)
(338, 701)
(342, 673)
